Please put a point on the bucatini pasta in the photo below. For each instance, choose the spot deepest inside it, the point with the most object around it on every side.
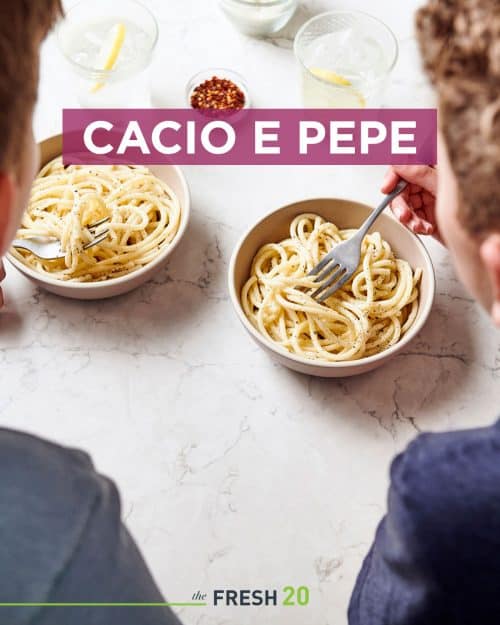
(144, 217)
(366, 316)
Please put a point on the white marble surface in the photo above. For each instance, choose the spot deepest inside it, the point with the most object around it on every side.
(235, 471)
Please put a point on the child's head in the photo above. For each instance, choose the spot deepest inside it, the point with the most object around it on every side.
(460, 45)
(23, 25)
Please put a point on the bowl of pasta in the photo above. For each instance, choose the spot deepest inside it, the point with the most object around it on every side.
(146, 212)
(358, 328)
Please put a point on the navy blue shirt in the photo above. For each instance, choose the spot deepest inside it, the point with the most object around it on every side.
(62, 540)
(436, 555)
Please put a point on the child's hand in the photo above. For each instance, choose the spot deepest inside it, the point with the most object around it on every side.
(2, 276)
(416, 206)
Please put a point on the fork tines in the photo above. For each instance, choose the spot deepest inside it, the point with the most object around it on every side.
(331, 279)
(96, 224)
(99, 238)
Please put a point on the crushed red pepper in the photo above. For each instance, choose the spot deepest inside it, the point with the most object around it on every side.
(218, 93)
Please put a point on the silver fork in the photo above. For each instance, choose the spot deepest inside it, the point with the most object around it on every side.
(338, 266)
(51, 249)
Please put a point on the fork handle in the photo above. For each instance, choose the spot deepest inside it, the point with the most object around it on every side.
(399, 188)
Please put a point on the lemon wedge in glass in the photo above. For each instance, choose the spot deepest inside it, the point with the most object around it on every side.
(111, 50)
(348, 97)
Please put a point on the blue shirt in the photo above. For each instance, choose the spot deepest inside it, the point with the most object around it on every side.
(436, 555)
(62, 540)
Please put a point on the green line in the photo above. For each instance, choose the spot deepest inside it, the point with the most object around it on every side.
(102, 605)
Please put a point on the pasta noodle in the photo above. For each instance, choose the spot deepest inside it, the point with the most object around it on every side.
(367, 315)
(144, 218)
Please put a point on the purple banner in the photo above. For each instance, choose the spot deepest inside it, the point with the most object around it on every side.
(250, 137)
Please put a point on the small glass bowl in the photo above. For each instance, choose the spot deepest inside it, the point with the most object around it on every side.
(258, 18)
(219, 72)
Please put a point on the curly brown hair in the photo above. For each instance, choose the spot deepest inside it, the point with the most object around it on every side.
(460, 45)
(23, 25)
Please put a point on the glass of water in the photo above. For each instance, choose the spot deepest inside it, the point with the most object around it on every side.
(109, 46)
(345, 59)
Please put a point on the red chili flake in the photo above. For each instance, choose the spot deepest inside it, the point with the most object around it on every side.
(217, 93)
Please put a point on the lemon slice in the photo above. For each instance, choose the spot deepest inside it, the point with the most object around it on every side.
(111, 51)
(346, 98)
(329, 76)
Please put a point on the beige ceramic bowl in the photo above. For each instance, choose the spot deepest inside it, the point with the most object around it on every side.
(173, 176)
(345, 214)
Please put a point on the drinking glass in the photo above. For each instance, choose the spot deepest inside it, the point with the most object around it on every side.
(345, 58)
(89, 37)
